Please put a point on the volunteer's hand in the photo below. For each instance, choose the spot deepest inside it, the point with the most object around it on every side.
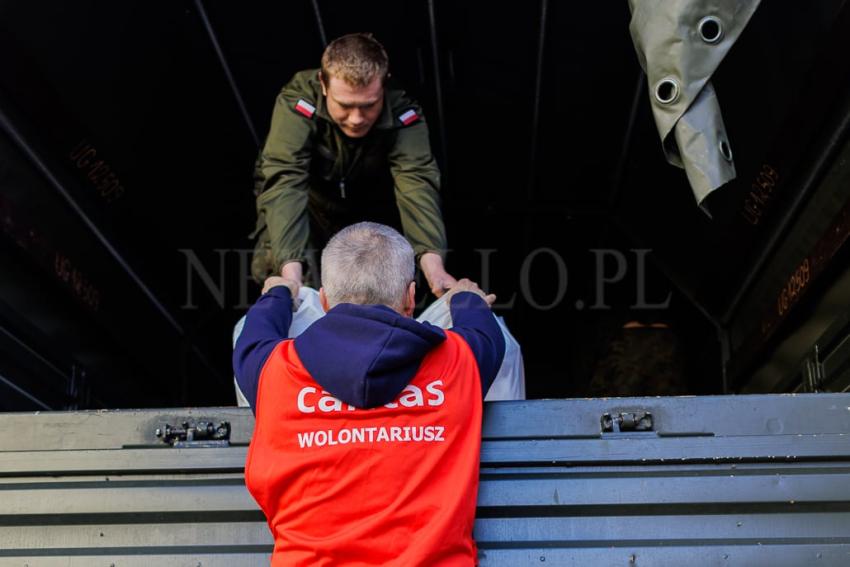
(439, 281)
(274, 281)
(468, 285)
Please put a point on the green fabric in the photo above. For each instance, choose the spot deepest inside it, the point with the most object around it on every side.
(305, 159)
(669, 46)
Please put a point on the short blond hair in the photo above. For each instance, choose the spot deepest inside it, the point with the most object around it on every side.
(356, 58)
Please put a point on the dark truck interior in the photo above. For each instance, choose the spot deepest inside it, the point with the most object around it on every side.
(128, 133)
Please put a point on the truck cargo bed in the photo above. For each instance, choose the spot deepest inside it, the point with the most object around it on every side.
(720, 480)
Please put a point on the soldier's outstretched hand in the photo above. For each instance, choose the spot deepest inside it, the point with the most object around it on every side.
(439, 280)
(469, 285)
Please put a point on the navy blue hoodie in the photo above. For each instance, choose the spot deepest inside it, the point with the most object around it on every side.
(363, 355)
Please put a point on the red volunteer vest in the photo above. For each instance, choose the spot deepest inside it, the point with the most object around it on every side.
(390, 485)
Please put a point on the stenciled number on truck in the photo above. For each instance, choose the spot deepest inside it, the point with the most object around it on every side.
(761, 193)
(792, 289)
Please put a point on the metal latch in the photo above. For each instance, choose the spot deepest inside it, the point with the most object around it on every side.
(627, 421)
(195, 434)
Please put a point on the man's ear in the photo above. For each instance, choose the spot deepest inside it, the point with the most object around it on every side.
(410, 300)
(323, 299)
(322, 82)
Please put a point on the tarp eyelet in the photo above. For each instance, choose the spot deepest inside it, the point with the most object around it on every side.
(710, 29)
(667, 90)
(725, 150)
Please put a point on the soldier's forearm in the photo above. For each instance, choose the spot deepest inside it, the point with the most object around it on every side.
(439, 280)
(284, 208)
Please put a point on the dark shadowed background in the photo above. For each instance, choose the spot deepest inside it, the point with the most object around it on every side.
(126, 198)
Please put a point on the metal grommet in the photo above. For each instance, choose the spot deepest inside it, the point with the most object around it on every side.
(725, 150)
(667, 90)
(710, 29)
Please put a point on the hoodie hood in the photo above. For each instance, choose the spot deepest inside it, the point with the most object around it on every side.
(365, 355)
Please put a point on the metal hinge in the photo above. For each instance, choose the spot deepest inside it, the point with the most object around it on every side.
(627, 421)
(195, 434)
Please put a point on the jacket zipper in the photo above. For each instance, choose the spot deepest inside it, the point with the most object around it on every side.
(357, 154)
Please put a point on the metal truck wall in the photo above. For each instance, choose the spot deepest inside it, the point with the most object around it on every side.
(737, 481)
(804, 279)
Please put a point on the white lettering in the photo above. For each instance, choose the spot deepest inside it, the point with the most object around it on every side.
(412, 398)
(302, 406)
(306, 439)
(331, 438)
(439, 435)
(395, 433)
(328, 403)
(433, 389)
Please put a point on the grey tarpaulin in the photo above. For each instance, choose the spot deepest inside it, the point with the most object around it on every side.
(680, 43)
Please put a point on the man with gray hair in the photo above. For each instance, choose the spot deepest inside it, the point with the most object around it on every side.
(368, 424)
(370, 264)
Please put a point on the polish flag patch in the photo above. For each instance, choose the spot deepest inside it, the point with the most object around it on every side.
(305, 108)
(409, 117)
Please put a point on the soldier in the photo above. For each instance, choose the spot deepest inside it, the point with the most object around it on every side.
(346, 145)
